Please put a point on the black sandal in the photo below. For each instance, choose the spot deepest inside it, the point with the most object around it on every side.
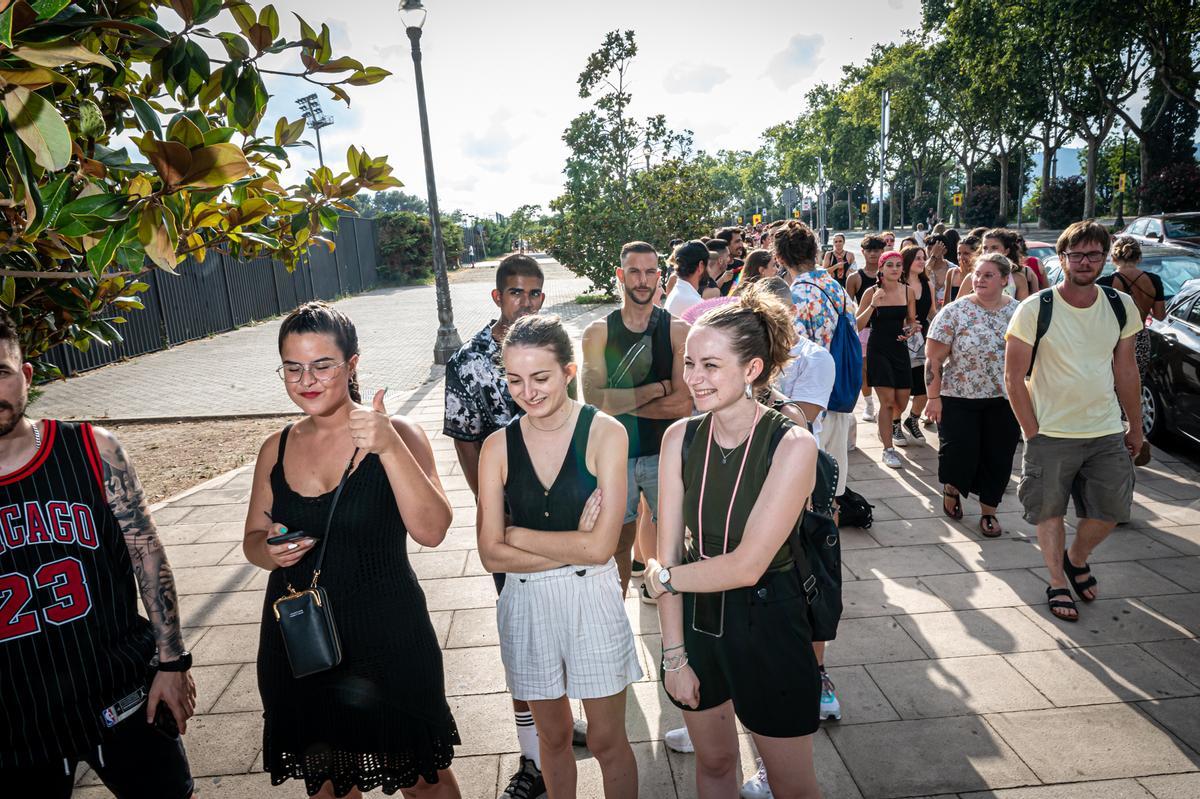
(1074, 571)
(1053, 594)
(957, 513)
(992, 528)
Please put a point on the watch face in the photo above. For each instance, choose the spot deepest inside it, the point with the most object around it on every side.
(664, 575)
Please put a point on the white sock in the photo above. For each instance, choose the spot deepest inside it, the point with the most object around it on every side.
(527, 737)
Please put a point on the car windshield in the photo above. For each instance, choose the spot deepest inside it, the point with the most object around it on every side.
(1182, 228)
(1041, 253)
(1175, 270)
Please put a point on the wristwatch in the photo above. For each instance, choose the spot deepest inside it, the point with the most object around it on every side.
(664, 579)
(181, 663)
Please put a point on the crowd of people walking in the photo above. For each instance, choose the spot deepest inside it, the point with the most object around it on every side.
(682, 457)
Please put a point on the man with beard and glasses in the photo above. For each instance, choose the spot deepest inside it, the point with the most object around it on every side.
(633, 369)
(478, 403)
(83, 676)
(1069, 407)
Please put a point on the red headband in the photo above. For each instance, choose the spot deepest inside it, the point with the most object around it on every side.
(889, 254)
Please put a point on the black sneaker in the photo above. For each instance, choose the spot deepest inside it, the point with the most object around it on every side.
(526, 783)
(637, 568)
(914, 428)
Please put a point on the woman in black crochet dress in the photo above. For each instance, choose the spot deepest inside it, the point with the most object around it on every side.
(379, 718)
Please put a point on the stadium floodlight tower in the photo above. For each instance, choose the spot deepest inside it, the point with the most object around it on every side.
(311, 109)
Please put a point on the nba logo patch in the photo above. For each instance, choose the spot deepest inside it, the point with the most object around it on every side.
(109, 717)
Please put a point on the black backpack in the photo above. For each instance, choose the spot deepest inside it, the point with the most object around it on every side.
(854, 510)
(814, 540)
(1046, 313)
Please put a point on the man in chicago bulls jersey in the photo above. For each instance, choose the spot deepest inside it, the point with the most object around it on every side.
(83, 677)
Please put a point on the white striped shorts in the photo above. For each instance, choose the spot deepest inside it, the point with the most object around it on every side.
(564, 631)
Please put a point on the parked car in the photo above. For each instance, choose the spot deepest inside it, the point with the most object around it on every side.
(1181, 228)
(1175, 265)
(1040, 250)
(1171, 390)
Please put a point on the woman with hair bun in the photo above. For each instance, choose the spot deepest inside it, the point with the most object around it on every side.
(735, 632)
(379, 718)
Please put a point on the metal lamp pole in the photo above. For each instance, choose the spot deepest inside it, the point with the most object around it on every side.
(412, 14)
(884, 115)
(1121, 205)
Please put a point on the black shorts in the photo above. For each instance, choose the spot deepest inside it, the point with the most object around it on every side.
(134, 761)
(764, 659)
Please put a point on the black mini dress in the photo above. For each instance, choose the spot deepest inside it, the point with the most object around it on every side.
(888, 363)
(380, 718)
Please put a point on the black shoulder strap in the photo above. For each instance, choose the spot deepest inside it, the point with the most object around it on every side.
(1045, 313)
(689, 433)
(329, 518)
(283, 441)
(1114, 299)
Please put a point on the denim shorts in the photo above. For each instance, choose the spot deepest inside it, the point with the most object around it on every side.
(641, 474)
(1096, 473)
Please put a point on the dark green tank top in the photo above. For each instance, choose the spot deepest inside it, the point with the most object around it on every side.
(721, 477)
(635, 359)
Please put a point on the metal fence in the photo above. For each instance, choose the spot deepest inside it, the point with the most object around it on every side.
(220, 293)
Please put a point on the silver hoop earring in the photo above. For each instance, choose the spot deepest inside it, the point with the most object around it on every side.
(749, 392)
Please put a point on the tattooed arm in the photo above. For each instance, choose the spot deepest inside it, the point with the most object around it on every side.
(127, 501)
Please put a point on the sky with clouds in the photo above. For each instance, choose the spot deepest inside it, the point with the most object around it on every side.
(500, 79)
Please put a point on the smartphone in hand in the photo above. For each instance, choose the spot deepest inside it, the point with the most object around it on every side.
(287, 538)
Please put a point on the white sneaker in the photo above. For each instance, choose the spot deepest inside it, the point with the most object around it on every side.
(892, 458)
(898, 437)
(646, 598)
(679, 740)
(757, 787)
(830, 707)
(869, 411)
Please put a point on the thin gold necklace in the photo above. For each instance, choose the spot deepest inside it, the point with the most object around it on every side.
(551, 429)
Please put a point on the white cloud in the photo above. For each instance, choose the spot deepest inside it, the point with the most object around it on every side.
(493, 146)
(797, 61)
(686, 77)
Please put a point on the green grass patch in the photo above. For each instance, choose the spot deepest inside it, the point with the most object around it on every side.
(594, 299)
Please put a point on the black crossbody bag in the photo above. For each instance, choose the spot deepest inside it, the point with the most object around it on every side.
(305, 618)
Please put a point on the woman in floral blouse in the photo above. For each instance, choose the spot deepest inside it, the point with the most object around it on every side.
(964, 373)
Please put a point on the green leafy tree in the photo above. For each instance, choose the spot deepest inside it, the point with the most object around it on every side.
(406, 245)
(80, 218)
(600, 208)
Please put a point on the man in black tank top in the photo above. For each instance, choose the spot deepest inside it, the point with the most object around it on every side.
(633, 370)
(82, 675)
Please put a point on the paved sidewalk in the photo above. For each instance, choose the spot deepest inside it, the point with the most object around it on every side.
(952, 677)
(233, 374)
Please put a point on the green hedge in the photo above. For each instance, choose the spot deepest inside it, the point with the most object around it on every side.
(406, 246)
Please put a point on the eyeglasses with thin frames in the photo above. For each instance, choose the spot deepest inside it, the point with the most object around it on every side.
(323, 371)
(1094, 257)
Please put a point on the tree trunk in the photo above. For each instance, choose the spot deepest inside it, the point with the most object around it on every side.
(849, 209)
(891, 221)
(1047, 156)
(969, 171)
(1002, 216)
(1089, 188)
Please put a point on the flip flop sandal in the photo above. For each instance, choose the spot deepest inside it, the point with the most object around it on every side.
(957, 512)
(1055, 603)
(1074, 571)
(989, 525)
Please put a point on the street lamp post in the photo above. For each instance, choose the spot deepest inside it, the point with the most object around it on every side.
(884, 119)
(646, 151)
(412, 14)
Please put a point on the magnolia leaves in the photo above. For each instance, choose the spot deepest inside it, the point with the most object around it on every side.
(202, 167)
(40, 127)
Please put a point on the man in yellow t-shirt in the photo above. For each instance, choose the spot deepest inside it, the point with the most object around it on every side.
(1076, 445)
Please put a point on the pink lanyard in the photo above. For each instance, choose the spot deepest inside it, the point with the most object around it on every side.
(704, 480)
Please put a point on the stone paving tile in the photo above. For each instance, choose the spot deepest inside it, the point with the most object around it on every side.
(910, 758)
(1175, 786)
(975, 632)
(433, 564)
(1180, 716)
(1128, 545)
(474, 627)
(1184, 539)
(1108, 789)
(1014, 552)
(459, 593)
(885, 597)
(1182, 609)
(228, 643)
(1183, 656)
(241, 695)
(914, 561)
(1181, 571)
(224, 531)
(955, 687)
(213, 579)
(874, 640)
(996, 589)
(908, 530)
(1092, 743)
(861, 700)
(1107, 621)
(211, 682)
(473, 670)
(235, 607)
(1099, 674)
